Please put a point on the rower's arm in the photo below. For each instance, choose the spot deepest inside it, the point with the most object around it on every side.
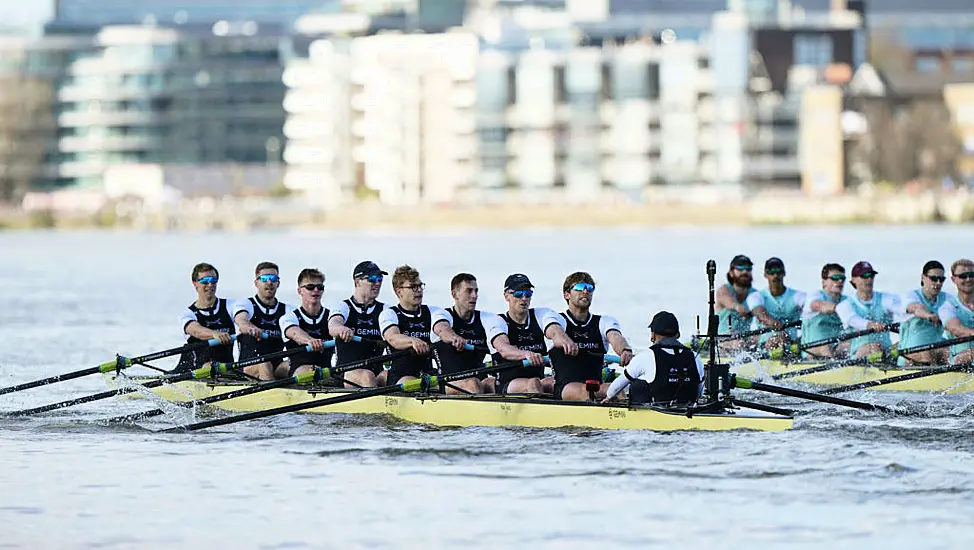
(955, 327)
(726, 299)
(242, 320)
(446, 333)
(504, 347)
(823, 306)
(198, 331)
(919, 310)
(762, 315)
(298, 335)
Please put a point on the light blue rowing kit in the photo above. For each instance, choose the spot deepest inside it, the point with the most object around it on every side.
(821, 326)
(918, 332)
(730, 321)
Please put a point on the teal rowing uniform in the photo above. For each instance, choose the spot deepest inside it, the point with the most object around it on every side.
(783, 308)
(966, 318)
(821, 325)
(872, 311)
(919, 332)
(729, 318)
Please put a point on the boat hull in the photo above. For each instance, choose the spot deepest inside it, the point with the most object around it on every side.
(950, 382)
(485, 410)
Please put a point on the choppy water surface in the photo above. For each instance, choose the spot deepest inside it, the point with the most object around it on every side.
(842, 479)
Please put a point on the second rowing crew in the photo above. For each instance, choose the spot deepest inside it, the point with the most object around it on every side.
(438, 340)
(925, 315)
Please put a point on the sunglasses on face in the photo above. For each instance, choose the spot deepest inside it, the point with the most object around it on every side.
(775, 271)
(372, 278)
(743, 267)
(868, 275)
(837, 277)
(208, 280)
(269, 278)
(415, 287)
(937, 278)
(519, 294)
(314, 286)
(584, 287)
(966, 275)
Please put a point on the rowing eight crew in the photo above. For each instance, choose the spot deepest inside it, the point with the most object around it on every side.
(441, 341)
(926, 314)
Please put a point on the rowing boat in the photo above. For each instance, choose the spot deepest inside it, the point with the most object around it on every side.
(949, 382)
(480, 410)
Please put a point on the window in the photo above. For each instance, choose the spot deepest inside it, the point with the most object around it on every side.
(813, 49)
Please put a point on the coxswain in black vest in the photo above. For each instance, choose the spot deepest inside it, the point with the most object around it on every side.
(205, 319)
(258, 321)
(460, 325)
(593, 334)
(408, 326)
(359, 316)
(669, 373)
(308, 326)
(520, 334)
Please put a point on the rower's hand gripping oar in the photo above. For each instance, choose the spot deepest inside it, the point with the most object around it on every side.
(308, 377)
(205, 372)
(746, 384)
(795, 349)
(416, 385)
(118, 364)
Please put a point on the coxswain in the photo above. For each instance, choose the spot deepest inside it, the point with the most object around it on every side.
(594, 335)
(670, 373)
(868, 309)
(922, 324)
(307, 325)
(205, 319)
(358, 315)
(258, 321)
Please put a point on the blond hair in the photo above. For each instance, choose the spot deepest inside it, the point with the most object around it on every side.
(961, 262)
(404, 274)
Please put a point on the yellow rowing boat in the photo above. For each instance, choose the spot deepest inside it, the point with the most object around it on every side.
(948, 382)
(480, 410)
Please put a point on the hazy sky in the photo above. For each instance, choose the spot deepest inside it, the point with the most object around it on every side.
(30, 13)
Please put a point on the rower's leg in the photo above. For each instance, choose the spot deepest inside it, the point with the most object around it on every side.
(548, 384)
(573, 391)
(470, 385)
(965, 356)
(524, 385)
(939, 356)
(820, 352)
(360, 378)
(382, 379)
(260, 371)
(489, 384)
(282, 370)
(868, 349)
(921, 358)
(842, 350)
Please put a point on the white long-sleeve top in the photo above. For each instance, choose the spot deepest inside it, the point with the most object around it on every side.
(643, 367)
(851, 319)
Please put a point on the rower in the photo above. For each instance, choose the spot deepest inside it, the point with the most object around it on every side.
(593, 334)
(409, 325)
(518, 335)
(261, 315)
(732, 312)
(206, 318)
(682, 380)
(358, 315)
(775, 306)
(923, 325)
(462, 324)
(307, 325)
(868, 309)
(957, 313)
(819, 319)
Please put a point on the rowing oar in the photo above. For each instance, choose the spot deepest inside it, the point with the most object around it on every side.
(795, 349)
(699, 342)
(415, 385)
(118, 364)
(308, 377)
(900, 378)
(204, 372)
(876, 357)
(746, 384)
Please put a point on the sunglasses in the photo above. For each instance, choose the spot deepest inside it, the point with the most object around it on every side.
(775, 271)
(208, 280)
(744, 267)
(966, 275)
(837, 277)
(314, 286)
(937, 278)
(868, 275)
(527, 293)
(415, 287)
(269, 278)
(372, 278)
(584, 287)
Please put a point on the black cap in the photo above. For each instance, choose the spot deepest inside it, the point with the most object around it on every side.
(774, 262)
(517, 281)
(741, 259)
(932, 264)
(366, 268)
(664, 323)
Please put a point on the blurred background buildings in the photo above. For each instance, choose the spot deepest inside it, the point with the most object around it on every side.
(466, 101)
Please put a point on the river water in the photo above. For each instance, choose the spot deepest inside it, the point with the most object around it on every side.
(840, 479)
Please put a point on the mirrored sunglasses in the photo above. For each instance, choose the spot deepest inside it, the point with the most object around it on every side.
(527, 293)
(269, 278)
(208, 280)
(774, 271)
(372, 278)
(584, 287)
(868, 275)
(743, 267)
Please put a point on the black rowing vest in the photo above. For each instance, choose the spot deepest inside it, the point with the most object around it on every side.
(677, 379)
(449, 359)
(365, 324)
(316, 327)
(416, 325)
(268, 320)
(528, 337)
(218, 319)
(587, 365)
